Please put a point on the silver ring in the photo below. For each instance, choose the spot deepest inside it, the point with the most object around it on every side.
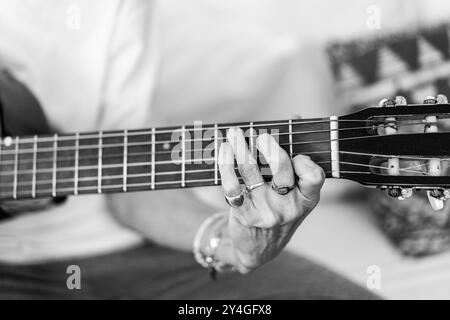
(282, 190)
(236, 201)
(252, 187)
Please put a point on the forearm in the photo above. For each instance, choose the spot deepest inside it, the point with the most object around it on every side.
(166, 218)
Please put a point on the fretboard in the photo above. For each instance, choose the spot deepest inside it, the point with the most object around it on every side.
(139, 160)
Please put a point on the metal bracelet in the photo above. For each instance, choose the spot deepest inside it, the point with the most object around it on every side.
(205, 254)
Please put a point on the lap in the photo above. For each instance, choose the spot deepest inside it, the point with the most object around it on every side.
(152, 272)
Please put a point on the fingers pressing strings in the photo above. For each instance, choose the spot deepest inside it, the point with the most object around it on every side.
(279, 161)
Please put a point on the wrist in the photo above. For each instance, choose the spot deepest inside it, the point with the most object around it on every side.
(212, 247)
(226, 252)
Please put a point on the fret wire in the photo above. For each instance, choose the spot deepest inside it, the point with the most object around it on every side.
(100, 164)
(16, 163)
(291, 152)
(183, 155)
(216, 150)
(33, 186)
(153, 164)
(77, 145)
(252, 146)
(125, 160)
(55, 164)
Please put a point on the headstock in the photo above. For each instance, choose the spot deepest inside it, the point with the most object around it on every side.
(399, 147)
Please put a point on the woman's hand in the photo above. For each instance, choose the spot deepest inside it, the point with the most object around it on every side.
(261, 225)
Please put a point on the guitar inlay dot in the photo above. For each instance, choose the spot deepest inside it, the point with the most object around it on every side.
(7, 141)
(166, 146)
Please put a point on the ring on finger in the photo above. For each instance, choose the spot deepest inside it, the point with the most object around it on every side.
(252, 187)
(282, 190)
(236, 201)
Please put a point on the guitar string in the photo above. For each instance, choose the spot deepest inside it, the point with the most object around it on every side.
(105, 188)
(194, 161)
(95, 147)
(131, 144)
(135, 154)
(205, 160)
(211, 180)
(119, 133)
(9, 151)
(320, 141)
(163, 142)
(130, 164)
(116, 145)
(94, 179)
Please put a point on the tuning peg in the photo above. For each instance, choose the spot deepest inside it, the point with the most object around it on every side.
(435, 202)
(446, 194)
(400, 101)
(394, 192)
(441, 99)
(386, 102)
(382, 102)
(400, 193)
(437, 198)
(437, 193)
(430, 100)
(406, 193)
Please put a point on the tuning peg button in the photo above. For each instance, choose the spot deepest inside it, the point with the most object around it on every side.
(400, 193)
(406, 193)
(446, 194)
(395, 192)
(437, 198)
(437, 193)
(436, 203)
(387, 102)
(441, 99)
(430, 100)
(400, 101)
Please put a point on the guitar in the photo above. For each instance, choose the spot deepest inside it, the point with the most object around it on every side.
(397, 147)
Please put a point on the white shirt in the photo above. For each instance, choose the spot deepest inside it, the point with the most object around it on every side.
(92, 65)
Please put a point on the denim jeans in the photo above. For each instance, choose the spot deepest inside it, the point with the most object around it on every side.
(153, 272)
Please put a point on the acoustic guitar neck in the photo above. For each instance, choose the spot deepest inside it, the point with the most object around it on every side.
(150, 159)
